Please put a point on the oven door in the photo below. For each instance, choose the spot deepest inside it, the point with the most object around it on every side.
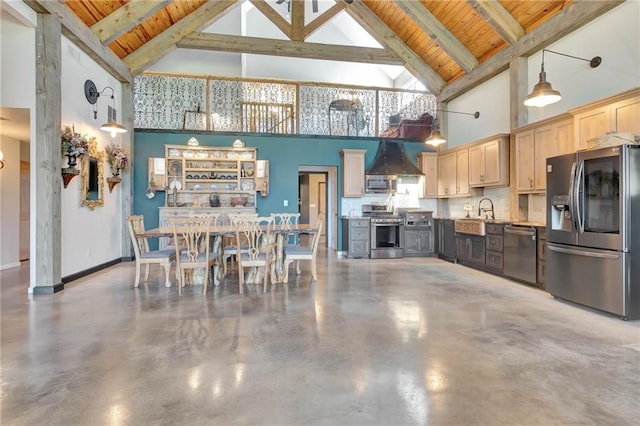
(387, 240)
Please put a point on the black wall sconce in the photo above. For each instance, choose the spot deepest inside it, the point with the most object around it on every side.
(543, 94)
(92, 94)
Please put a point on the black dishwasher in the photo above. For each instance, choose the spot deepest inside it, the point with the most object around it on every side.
(520, 251)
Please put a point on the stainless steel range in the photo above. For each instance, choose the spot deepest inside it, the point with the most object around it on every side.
(387, 232)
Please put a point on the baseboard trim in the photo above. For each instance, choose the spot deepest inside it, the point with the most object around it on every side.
(48, 289)
(90, 271)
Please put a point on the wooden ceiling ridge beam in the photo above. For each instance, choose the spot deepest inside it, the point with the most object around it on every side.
(386, 37)
(325, 17)
(498, 18)
(76, 31)
(568, 20)
(165, 42)
(273, 16)
(298, 49)
(439, 33)
(126, 18)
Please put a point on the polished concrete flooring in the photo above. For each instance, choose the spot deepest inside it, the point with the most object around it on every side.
(373, 342)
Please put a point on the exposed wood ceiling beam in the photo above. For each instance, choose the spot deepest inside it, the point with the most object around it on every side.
(577, 14)
(76, 31)
(298, 49)
(154, 50)
(297, 20)
(126, 18)
(499, 19)
(273, 16)
(439, 33)
(385, 36)
(326, 16)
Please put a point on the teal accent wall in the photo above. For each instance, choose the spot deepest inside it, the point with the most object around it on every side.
(284, 153)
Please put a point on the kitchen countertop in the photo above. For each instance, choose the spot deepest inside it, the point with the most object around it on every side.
(498, 221)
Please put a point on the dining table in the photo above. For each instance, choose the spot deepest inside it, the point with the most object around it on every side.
(279, 235)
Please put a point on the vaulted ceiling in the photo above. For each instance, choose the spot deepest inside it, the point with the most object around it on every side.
(448, 45)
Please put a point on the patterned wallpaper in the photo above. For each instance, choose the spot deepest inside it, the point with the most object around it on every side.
(201, 103)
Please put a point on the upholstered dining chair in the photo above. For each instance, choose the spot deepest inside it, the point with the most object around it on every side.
(297, 253)
(194, 248)
(255, 232)
(147, 257)
(229, 251)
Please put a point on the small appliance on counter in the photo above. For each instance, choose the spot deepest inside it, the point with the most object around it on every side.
(387, 232)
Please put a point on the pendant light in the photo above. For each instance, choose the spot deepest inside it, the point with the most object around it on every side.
(436, 138)
(543, 94)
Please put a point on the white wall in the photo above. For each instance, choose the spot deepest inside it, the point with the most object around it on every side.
(491, 100)
(89, 237)
(17, 90)
(10, 203)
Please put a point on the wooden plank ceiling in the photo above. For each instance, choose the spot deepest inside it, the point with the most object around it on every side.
(441, 41)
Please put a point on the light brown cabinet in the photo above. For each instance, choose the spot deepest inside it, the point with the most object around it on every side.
(428, 163)
(194, 174)
(489, 163)
(352, 172)
(617, 114)
(534, 144)
(453, 173)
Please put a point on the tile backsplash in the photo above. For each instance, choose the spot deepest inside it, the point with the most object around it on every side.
(499, 196)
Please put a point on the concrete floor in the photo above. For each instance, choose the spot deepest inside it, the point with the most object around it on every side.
(373, 342)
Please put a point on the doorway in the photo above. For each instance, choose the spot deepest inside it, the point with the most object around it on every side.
(318, 195)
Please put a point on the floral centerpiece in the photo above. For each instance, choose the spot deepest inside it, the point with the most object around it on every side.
(72, 144)
(118, 159)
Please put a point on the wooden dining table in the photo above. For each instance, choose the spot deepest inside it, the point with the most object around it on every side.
(279, 233)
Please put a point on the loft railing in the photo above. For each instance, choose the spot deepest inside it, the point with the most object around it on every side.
(169, 101)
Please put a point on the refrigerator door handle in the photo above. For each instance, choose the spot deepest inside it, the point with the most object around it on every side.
(579, 191)
(582, 252)
(570, 198)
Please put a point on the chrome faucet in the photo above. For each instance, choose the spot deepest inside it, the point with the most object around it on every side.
(480, 209)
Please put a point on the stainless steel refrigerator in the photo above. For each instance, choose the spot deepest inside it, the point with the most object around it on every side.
(593, 229)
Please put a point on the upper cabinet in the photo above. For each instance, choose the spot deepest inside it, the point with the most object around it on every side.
(617, 114)
(534, 144)
(453, 173)
(489, 162)
(428, 163)
(353, 172)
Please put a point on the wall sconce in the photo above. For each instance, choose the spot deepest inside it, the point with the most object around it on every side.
(543, 94)
(1, 160)
(435, 138)
(92, 94)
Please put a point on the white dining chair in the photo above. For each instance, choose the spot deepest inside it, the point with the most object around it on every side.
(143, 255)
(297, 253)
(194, 250)
(255, 232)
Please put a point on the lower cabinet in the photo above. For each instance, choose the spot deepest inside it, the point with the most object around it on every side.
(494, 240)
(418, 241)
(446, 238)
(356, 237)
(470, 249)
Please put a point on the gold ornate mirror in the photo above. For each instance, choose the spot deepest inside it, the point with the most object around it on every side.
(92, 187)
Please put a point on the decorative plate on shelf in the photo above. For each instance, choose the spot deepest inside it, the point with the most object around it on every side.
(187, 154)
(175, 185)
(174, 153)
(238, 143)
(217, 154)
(202, 154)
(246, 155)
(213, 187)
(247, 185)
(229, 187)
(232, 155)
(197, 187)
(175, 167)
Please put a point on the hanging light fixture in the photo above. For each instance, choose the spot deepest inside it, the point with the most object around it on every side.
(1, 160)
(543, 94)
(436, 138)
(92, 94)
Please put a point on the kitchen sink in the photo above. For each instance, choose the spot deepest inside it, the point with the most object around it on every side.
(475, 226)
